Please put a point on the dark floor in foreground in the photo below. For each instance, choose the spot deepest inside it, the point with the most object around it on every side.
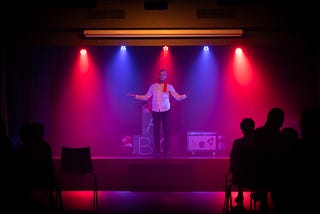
(125, 202)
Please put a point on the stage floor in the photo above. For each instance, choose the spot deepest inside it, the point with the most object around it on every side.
(154, 174)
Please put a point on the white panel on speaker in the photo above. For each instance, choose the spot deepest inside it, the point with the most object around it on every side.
(201, 141)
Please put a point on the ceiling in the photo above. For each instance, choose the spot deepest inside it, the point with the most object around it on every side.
(62, 22)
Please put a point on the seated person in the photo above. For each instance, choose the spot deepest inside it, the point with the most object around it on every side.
(242, 159)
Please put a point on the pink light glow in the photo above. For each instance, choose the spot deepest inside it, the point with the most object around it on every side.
(80, 113)
(241, 69)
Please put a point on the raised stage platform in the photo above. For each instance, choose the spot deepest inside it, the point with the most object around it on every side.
(154, 174)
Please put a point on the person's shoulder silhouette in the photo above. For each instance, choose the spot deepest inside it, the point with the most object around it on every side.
(9, 179)
(310, 123)
(306, 154)
(242, 149)
(34, 163)
(6, 148)
(242, 159)
(35, 156)
(310, 134)
(6, 152)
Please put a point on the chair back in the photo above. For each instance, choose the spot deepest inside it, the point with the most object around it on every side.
(76, 160)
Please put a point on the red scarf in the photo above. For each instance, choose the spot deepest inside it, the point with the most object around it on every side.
(165, 85)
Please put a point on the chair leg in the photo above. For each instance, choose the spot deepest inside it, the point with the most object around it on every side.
(226, 202)
(230, 196)
(252, 201)
(95, 198)
(59, 203)
(225, 194)
(52, 199)
(95, 192)
(227, 199)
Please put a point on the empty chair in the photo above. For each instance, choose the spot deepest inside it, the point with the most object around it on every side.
(76, 162)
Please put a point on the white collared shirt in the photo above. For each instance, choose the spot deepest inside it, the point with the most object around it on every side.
(160, 99)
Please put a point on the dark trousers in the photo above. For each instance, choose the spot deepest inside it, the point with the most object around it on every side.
(161, 119)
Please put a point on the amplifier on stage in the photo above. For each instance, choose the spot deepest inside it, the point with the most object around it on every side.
(201, 141)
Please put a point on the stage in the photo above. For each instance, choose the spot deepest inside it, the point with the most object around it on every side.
(153, 174)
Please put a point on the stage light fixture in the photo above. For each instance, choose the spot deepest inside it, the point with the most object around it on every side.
(238, 51)
(83, 51)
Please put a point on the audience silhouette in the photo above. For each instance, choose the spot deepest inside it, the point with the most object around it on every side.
(306, 177)
(278, 160)
(35, 166)
(284, 163)
(242, 159)
(274, 159)
(7, 166)
(266, 139)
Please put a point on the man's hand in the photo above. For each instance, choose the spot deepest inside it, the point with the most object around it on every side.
(131, 94)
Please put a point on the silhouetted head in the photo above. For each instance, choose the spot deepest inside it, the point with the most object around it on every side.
(247, 126)
(289, 134)
(275, 118)
(39, 127)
